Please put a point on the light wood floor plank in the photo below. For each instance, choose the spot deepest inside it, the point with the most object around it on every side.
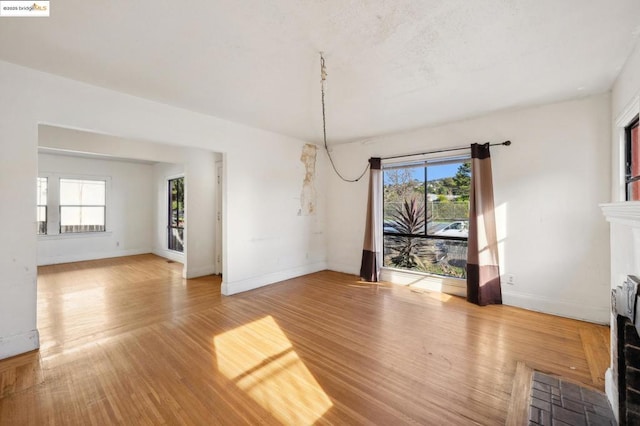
(518, 414)
(128, 341)
(596, 351)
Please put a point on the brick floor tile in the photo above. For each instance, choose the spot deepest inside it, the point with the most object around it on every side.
(576, 407)
(594, 397)
(534, 414)
(569, 417)
(596, 420)
(545, 396)
(543, 378)
(570, 390)
(543, 405)
(541, 386)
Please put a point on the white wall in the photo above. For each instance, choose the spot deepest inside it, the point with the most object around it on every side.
(547, 188)
(128, 212)
(162, 172)
(625, 235)
(200, 213)
(264, 239)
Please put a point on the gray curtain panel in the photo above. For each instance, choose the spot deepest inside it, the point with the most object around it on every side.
(372, 249)
(483, 273)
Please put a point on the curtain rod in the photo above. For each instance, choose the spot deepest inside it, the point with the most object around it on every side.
(505, 143)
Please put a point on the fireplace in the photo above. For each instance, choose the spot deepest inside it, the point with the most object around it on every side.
(626, 350)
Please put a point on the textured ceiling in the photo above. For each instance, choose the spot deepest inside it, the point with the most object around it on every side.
(393, 65)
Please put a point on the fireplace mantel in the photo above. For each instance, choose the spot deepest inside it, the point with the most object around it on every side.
(625, 213)
(624, 218)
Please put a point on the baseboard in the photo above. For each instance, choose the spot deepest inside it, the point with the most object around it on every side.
(19, 344)
(169, 254)
(345, 268)
(53, 260)
(612, 392)
(595, 314)
(200, 272)
(229, 288)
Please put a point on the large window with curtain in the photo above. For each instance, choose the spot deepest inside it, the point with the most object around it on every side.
(426, 215)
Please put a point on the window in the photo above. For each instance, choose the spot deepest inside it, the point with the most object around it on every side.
(426, 216)
(42, 205)
(176, 214)
(632, 169)
(82, 205)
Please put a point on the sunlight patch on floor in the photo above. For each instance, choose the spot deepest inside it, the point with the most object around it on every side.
(261, 361)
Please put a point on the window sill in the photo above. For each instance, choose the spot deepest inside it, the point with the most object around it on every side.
(74, 235)
(426, 281)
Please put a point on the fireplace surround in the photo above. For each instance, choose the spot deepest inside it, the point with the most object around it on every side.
(624, 220)
(626, 350)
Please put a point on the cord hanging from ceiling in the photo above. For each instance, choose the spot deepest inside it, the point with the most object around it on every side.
(323, 78)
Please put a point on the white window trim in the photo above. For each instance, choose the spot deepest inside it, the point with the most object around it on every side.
(53, 206)
(631, 111)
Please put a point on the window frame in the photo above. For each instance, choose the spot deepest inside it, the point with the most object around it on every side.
(170, 210)
(623, 120)
(426, 162)
(629, 178)
(453, 281)
(104, 206)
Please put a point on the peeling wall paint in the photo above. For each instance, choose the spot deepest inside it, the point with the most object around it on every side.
(308, 194)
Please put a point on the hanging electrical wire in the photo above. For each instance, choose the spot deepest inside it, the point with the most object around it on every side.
(323, 78)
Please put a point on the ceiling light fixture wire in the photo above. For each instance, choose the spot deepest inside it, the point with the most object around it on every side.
(323, 79)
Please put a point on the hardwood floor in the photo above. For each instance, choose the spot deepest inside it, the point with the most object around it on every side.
(129, 341)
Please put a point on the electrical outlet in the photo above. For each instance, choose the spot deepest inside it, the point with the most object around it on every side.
(511, 279)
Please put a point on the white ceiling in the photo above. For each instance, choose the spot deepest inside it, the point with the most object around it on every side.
(393, 65)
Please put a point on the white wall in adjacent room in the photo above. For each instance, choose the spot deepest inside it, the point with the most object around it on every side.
(548, 185)
(265, 239)
(128, 211)
(162, 172)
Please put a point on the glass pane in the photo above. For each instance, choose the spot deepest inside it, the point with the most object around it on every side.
(448, 199)
(81, 219)
(42, 191)
(82, 192)
(176, 202)
(404, 209)
(42, 219)
(634, 187)
(176, 238)
(441, 257)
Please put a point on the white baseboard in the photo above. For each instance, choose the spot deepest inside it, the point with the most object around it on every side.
(169, 254)
(53, 260)
(229, 288)
(563, 308)
(19, 344)
(345, 268)
(200, 272)
(568, 309)
(612, 392)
